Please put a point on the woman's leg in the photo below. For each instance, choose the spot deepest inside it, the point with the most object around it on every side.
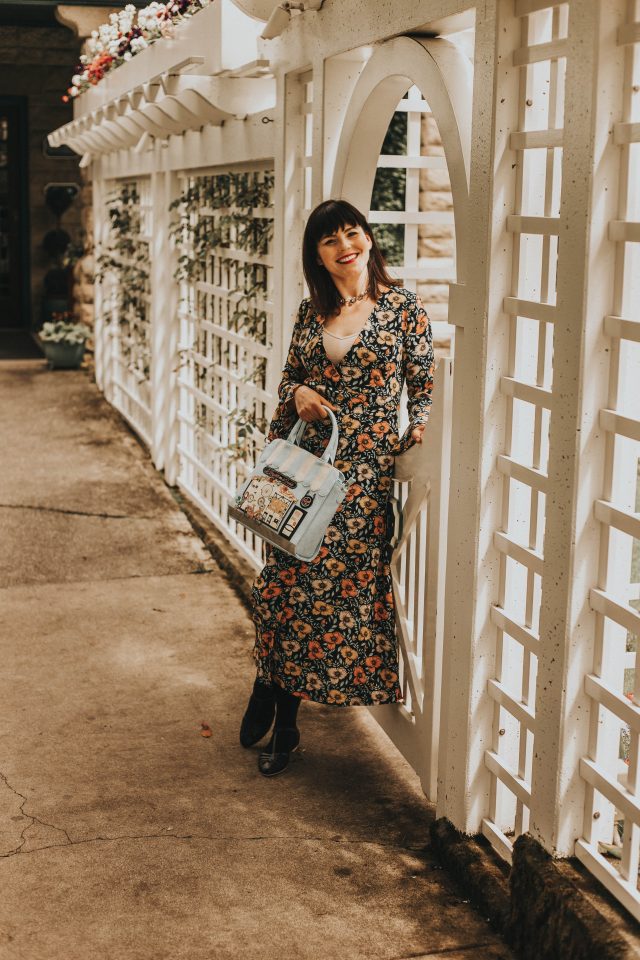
(259, 714)
(285, 737)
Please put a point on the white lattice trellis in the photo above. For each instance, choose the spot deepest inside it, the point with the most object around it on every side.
(533, 226)
(225, 336)
(610, 845)
(126, 321)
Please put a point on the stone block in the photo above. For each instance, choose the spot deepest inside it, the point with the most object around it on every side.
(86, 292)
(434, 292)
(435, 180)
(431, 247)
(436, 200)
(86, 314)
(88, 265)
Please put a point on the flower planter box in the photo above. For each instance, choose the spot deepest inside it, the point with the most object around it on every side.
(63, 355)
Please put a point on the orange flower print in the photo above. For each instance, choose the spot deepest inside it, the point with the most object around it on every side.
(365, 442)
(288, 576)
(381, 428)
(315, 651)
(301, 628)
(336, 674)
(336, 696)
(334, 567)
(373, 662)
(330, 373)
(390, 677)
(378, 525)
(365, 356)
(354, 490)
(356, 546)
(271, 591)
(332, 639)
(313, 682)
(380, 696)
(368, 504)
(376, 379)
(365, 577)
(349, 588)
(348, 654)
(292, 669)
(380, 612)
(359, 676)
(322, 609)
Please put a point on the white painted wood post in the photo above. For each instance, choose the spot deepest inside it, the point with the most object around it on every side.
(164, 331)
(99, 333)
(482, 341)
(576, 448)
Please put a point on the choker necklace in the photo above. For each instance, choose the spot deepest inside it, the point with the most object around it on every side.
(349, 301)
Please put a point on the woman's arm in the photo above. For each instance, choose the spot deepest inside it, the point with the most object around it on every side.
(418, 370)
(293, 375)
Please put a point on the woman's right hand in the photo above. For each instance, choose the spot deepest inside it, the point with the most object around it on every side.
(310, 405)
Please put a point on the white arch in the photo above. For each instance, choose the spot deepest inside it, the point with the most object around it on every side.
(445, 77)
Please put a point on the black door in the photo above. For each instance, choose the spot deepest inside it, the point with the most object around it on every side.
(14, 263)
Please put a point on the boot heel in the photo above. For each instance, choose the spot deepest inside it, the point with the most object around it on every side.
(275, 759)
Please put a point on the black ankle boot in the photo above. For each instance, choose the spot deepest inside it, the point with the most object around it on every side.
(275, 759)
(285, 737)
(259, 714)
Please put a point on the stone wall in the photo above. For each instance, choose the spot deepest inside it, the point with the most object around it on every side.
(38, 62)
(435, 239)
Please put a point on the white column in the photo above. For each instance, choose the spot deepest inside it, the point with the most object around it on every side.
(164, 330)
(99, 338)
(576, 450)
(482, 342)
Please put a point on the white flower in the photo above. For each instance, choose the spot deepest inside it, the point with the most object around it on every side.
(128, 55)
(75, 79)
(130, 8)
(73, 91)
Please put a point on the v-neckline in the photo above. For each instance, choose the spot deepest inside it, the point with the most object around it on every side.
(365, 328)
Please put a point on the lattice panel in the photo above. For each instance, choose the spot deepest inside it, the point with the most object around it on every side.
(126, 259)
(306, 81)
(225, 242)
(611, 842)
(418, 219)
(533, 226)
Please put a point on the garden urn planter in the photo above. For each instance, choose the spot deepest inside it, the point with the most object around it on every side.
(63, 355)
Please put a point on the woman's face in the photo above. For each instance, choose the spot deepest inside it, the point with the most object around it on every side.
(345, 253)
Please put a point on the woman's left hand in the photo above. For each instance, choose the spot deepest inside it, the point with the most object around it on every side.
(416, 433)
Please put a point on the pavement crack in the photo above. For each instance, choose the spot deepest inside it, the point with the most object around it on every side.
(443, 951)
(71, 513)
(190, 836)
(32, 820)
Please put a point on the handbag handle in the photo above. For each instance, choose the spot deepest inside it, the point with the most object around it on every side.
(331, 449)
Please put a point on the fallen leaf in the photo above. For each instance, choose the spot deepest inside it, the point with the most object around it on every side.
(206, 729)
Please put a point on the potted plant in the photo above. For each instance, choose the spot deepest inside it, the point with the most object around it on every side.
(63, 341)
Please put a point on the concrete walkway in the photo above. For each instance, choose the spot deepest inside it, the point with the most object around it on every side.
(125, 834)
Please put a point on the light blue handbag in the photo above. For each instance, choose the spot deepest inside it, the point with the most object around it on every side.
(290, 497)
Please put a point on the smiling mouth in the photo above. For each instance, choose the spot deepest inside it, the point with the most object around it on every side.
(348, 259)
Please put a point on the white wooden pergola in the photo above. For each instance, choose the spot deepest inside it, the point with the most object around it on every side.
(519, 611)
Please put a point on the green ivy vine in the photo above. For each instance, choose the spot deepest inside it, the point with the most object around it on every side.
(217, 217)
(125, 259)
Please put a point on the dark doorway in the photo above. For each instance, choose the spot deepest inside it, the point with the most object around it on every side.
(14, 215)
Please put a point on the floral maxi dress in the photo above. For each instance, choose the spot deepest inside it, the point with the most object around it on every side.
(325, 630)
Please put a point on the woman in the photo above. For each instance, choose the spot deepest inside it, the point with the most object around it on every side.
(325, 630)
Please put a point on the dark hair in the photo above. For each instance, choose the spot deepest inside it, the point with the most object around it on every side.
(327, 218)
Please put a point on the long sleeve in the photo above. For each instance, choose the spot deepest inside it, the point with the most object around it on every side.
(418, 365)
(293, 373)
